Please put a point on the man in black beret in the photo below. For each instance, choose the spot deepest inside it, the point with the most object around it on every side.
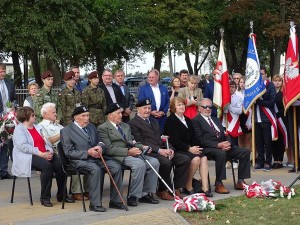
(146, 130)
(80, 143)
(117, 136)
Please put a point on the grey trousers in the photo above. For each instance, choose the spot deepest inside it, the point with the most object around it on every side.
(143, 178)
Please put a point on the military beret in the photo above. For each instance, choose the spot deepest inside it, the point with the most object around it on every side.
(69, 75)
(79, 109)
(143, 102)
(46, 74)
(111, 108)
(93, 75)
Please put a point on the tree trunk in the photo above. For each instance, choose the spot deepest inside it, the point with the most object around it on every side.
(36, 66)
(170, 60)
(271, 52)
(205, 57)
(277, 54)
(25, 71)
(188, 62)
(54, 68)
(17, 69)
(196, 62)
(99, 63)
(158, 54)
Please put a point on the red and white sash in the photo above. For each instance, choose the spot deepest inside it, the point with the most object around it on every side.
(282, 128)
(234, 128)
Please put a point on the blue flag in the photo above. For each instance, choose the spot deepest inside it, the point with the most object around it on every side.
(254, 85)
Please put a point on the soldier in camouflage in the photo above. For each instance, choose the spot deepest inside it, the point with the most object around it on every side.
(93, 97)
(46, 94)
(68, 98)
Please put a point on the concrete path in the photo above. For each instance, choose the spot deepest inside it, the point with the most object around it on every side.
(21, 212)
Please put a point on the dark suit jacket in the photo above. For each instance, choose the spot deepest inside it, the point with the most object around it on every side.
(180, 136)
(121, 100)
(205, 136)
(145, 133)
(209, 93)
(11, 93)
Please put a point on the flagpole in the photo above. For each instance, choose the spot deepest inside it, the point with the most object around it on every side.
(252, 121)
(295, 139)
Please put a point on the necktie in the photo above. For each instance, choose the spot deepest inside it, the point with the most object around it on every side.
(85, 131)
(148, 121)
(213, 127)
(121, 131)
(3, 93)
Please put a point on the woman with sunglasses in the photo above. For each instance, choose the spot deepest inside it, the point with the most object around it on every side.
(180, 130)
(32, 150)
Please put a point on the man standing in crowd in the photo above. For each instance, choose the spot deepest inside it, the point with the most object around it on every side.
(183, 76)
(7, 92)
(159, 96)
(121, 146)
(79, 84)
(80, 144)
(211, 137)
(119, 78)
(46, 94)
(146, 131)
(264, 117)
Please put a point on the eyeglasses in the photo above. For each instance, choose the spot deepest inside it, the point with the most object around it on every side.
(206, 106)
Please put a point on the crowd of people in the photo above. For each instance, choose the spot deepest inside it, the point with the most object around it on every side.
(96, 120)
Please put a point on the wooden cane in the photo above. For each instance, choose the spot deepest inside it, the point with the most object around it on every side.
(113, 181)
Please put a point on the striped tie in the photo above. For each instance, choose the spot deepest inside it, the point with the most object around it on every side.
(3, 93)
(121, 131)
(213, 127)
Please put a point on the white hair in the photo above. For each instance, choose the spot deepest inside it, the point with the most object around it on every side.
(47, 106)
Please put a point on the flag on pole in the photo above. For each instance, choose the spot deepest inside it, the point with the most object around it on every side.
(291, 81)
(221, 96)
(254, 85)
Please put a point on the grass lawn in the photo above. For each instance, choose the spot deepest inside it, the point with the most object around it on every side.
(248, 211)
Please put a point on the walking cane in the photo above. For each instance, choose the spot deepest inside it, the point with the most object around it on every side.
(172, 172)
(111, 178)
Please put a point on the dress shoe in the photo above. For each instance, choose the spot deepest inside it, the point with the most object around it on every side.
(132, 201)
(164, 195)
(239, 186)
(208, 194)
(148, 199)
(7, 176)
(97, 208)
(178, 193)
(46, 203)
(78, 197)
(86, 195)
(116, 205)
(188, 192)
(67, 200)
(221, 189)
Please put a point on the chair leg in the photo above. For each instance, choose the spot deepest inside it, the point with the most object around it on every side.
(81, 190)
(65, 191)
(129, 182)
(101, 186)
(233, 175)
(70, 188)
(29, 189)
(13, 190)
(209, 185)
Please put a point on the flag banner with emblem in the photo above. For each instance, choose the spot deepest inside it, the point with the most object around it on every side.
(254, 84)
(291, 81)
(221, 96)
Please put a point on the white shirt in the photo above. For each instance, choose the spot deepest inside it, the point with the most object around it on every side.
(236, 105)
(206, 118)
(182, 120)
(111, 93)
(50, 129)
(157, 95)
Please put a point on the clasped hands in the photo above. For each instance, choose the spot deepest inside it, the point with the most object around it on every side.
(46, 155)
(224, 145)
(95, 152)
(195, 150)
(134, 151)
(157, 114)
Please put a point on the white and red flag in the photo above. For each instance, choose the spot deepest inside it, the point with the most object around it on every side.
(221, 97)
(291, 81)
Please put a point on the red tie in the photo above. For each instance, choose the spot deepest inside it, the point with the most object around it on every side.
(213, 127)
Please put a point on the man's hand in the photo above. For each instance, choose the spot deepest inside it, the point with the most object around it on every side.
(95, 152)
(134, 151)
(225, 145)
(46, 155)
(195, 150)
(167, 153)
(127, 111)
(155, 113)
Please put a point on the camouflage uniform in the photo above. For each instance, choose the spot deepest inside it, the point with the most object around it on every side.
(68, 100)
(42, 97)
(94, 99)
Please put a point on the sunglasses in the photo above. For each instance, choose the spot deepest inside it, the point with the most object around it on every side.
(206, 106)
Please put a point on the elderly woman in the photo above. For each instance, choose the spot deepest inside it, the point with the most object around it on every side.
(181, 132)
(31, 150)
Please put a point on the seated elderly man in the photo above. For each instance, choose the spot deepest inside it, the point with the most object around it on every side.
(117, 137)
(80, 144)
(216, 145)
(146, 130)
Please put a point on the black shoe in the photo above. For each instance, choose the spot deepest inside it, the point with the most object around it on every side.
(275, 166)
(67, 200)
(116, 205)
(293, 170)
(131, 201)
(208, 193)
(148, 199)
(7, 176)
(186, 191)
(279, 165)
(98, 208)
(46, 203)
